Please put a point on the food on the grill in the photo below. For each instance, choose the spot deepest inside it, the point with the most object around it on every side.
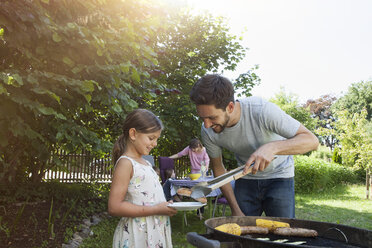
(296, 243)
(295, 231)
(254, 230)
(280, 240)
(266, 239)
(187, 192)
(270, 224)
(233, 228)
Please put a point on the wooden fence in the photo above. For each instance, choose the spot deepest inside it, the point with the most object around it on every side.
(85, 167)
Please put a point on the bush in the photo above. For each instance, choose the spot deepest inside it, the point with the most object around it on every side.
(336, 156)
(322, 152)
(315, 175)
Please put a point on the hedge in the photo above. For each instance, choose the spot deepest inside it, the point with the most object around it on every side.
(316, 175)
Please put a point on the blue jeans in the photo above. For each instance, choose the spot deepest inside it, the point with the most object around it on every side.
(275, 197)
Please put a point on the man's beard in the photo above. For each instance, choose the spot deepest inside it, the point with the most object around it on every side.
(221, 127)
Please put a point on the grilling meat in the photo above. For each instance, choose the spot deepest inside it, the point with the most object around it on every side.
(187, 192)
(253, 230)
(184, 192)
(295, 231)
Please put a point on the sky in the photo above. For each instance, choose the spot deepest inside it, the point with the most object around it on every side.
(308, 47)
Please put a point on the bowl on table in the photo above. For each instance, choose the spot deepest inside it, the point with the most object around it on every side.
(194, 176)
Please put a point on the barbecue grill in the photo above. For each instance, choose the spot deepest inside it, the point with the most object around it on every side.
(330, 235)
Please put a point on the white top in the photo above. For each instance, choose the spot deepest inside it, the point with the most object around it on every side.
(152, 231)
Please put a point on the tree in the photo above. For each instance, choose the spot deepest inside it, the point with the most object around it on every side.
(357, 98)
(354, 128)
(321, 109)
(355, 141)
(71, 70)
(190, 47)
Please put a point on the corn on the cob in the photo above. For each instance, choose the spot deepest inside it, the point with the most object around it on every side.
(270, 224)
(231, 228)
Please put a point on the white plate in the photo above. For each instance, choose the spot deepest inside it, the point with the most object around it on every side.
(184, 206)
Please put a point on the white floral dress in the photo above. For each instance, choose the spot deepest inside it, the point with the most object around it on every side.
(152, 231)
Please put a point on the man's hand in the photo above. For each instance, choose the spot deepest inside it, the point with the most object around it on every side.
(261, 158)
(237, 212)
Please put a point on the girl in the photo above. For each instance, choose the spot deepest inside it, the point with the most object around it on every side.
(136, 193)
(197, 154)
(199, 161)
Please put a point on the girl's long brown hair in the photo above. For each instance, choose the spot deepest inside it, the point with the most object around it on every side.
(144, 121)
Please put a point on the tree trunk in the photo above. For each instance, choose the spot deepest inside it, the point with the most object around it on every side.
(368, 183)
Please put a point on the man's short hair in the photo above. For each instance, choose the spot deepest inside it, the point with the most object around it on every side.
(213, 89)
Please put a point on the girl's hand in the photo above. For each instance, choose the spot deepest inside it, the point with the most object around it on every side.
(163, 209)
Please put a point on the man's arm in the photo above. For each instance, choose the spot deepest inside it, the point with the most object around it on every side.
(219, 169)
(303, 141)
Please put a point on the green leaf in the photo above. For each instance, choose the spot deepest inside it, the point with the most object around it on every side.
(56, 37)
(99, 52)
(88, 97)
(88, 85)
(135, 76)
(68, 61)
(71, 25)
(47, 92)
(10, 80)
(45, 1)
(31, 79)
(191, 54)
(125, 67)
(49, 111)
(132, 103)
(116, 107)
(15, 80)
(77, 69)
(18, 78)
(3, 90)
(46, 110)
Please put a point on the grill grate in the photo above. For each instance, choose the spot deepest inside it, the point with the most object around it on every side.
(314, 242)
(330, 234)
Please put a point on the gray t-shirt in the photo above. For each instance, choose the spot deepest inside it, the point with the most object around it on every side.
(260, 122)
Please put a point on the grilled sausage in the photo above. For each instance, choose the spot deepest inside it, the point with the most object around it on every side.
(253, 230)
(295, 231)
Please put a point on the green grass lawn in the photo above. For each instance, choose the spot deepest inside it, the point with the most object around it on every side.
(343, 205)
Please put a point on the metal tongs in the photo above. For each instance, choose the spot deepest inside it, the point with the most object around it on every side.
(204, 188)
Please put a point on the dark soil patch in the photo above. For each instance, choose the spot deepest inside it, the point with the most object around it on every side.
(46, 215)
(31, 227)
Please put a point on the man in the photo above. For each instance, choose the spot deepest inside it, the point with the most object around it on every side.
(257, 131)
